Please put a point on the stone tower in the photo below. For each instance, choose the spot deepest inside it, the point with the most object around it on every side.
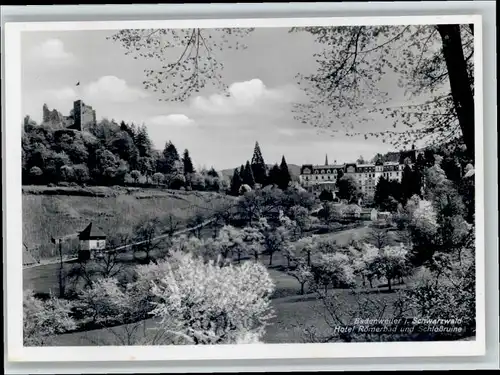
(84, 115)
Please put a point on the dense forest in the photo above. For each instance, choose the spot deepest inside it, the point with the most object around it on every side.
(109, 153)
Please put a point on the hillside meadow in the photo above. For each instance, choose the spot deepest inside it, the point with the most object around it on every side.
(55, 212)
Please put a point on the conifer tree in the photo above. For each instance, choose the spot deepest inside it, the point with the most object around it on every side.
(258, 165)
(274, 175)
(382, 192)
(188, 164)
(285, 177)
(170, 158)
(247, 175)
(143, 142)
(410, 183)
(236, 182)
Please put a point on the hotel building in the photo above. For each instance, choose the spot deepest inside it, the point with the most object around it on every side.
(316, 178)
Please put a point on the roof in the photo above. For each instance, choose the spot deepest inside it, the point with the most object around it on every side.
(91, 232)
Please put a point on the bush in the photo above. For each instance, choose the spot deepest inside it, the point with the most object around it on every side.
(203, 303)
(44, 318)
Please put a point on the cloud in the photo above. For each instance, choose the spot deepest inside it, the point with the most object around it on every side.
(172, 120)
(52, 51)
(287, 132)
(114, 89)
(104, 92)
(242, 96)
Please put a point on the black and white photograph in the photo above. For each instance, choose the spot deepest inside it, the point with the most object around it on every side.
(276, 184)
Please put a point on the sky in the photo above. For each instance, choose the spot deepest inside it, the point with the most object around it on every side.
(218, 130)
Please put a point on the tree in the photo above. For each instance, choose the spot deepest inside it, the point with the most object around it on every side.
(108, 303)
(387, 194)
(326, 195)
(188, 164)
(410, 183)
(196, 222)
(172, 223)
(36, 174)
(276, 240)
(247, 175)
(250, 206)
(302, 274)
(259, 168)
(187, 63)
(301, 217)
(274, 175)
(452, 291)
(391, 263)
(213, 173)
(236, 182)
(53, 163)
(306, 245)
(143, 142)
(158, 178)
(230, 241)
(440, 79)
(360, 160)
(284, 177)
(191, 306)
(379, 238)
(67, 173)
(253, 240)
(72, 144)
(146, 232)
(176, 181)
(44, 319)
(332, 270)
(170, 156)
(136, 175)
(196, 181)
(122, 145)
(81, 173)
(347, 188)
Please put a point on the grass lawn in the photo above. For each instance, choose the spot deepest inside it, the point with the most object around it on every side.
(293, 312)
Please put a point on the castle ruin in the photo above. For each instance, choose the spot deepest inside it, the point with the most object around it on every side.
(80, 118)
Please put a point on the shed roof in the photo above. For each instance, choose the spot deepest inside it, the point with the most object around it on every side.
(91, 232)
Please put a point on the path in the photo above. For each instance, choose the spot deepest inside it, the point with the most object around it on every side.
(121, 248)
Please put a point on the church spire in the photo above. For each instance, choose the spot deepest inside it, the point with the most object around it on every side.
(326, 159)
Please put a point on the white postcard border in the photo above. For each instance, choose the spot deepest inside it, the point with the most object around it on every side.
(13, 231)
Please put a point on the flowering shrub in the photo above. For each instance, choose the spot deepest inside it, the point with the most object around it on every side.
(333, 269)
(390, 262)
(447, 295)
(424, 218)
(42, 319)
(103, 302)
(229, 241)
(306, 246)
(253, 240)
(352, 210)
(202, 303)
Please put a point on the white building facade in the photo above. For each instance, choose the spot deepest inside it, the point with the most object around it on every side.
(317, 178)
